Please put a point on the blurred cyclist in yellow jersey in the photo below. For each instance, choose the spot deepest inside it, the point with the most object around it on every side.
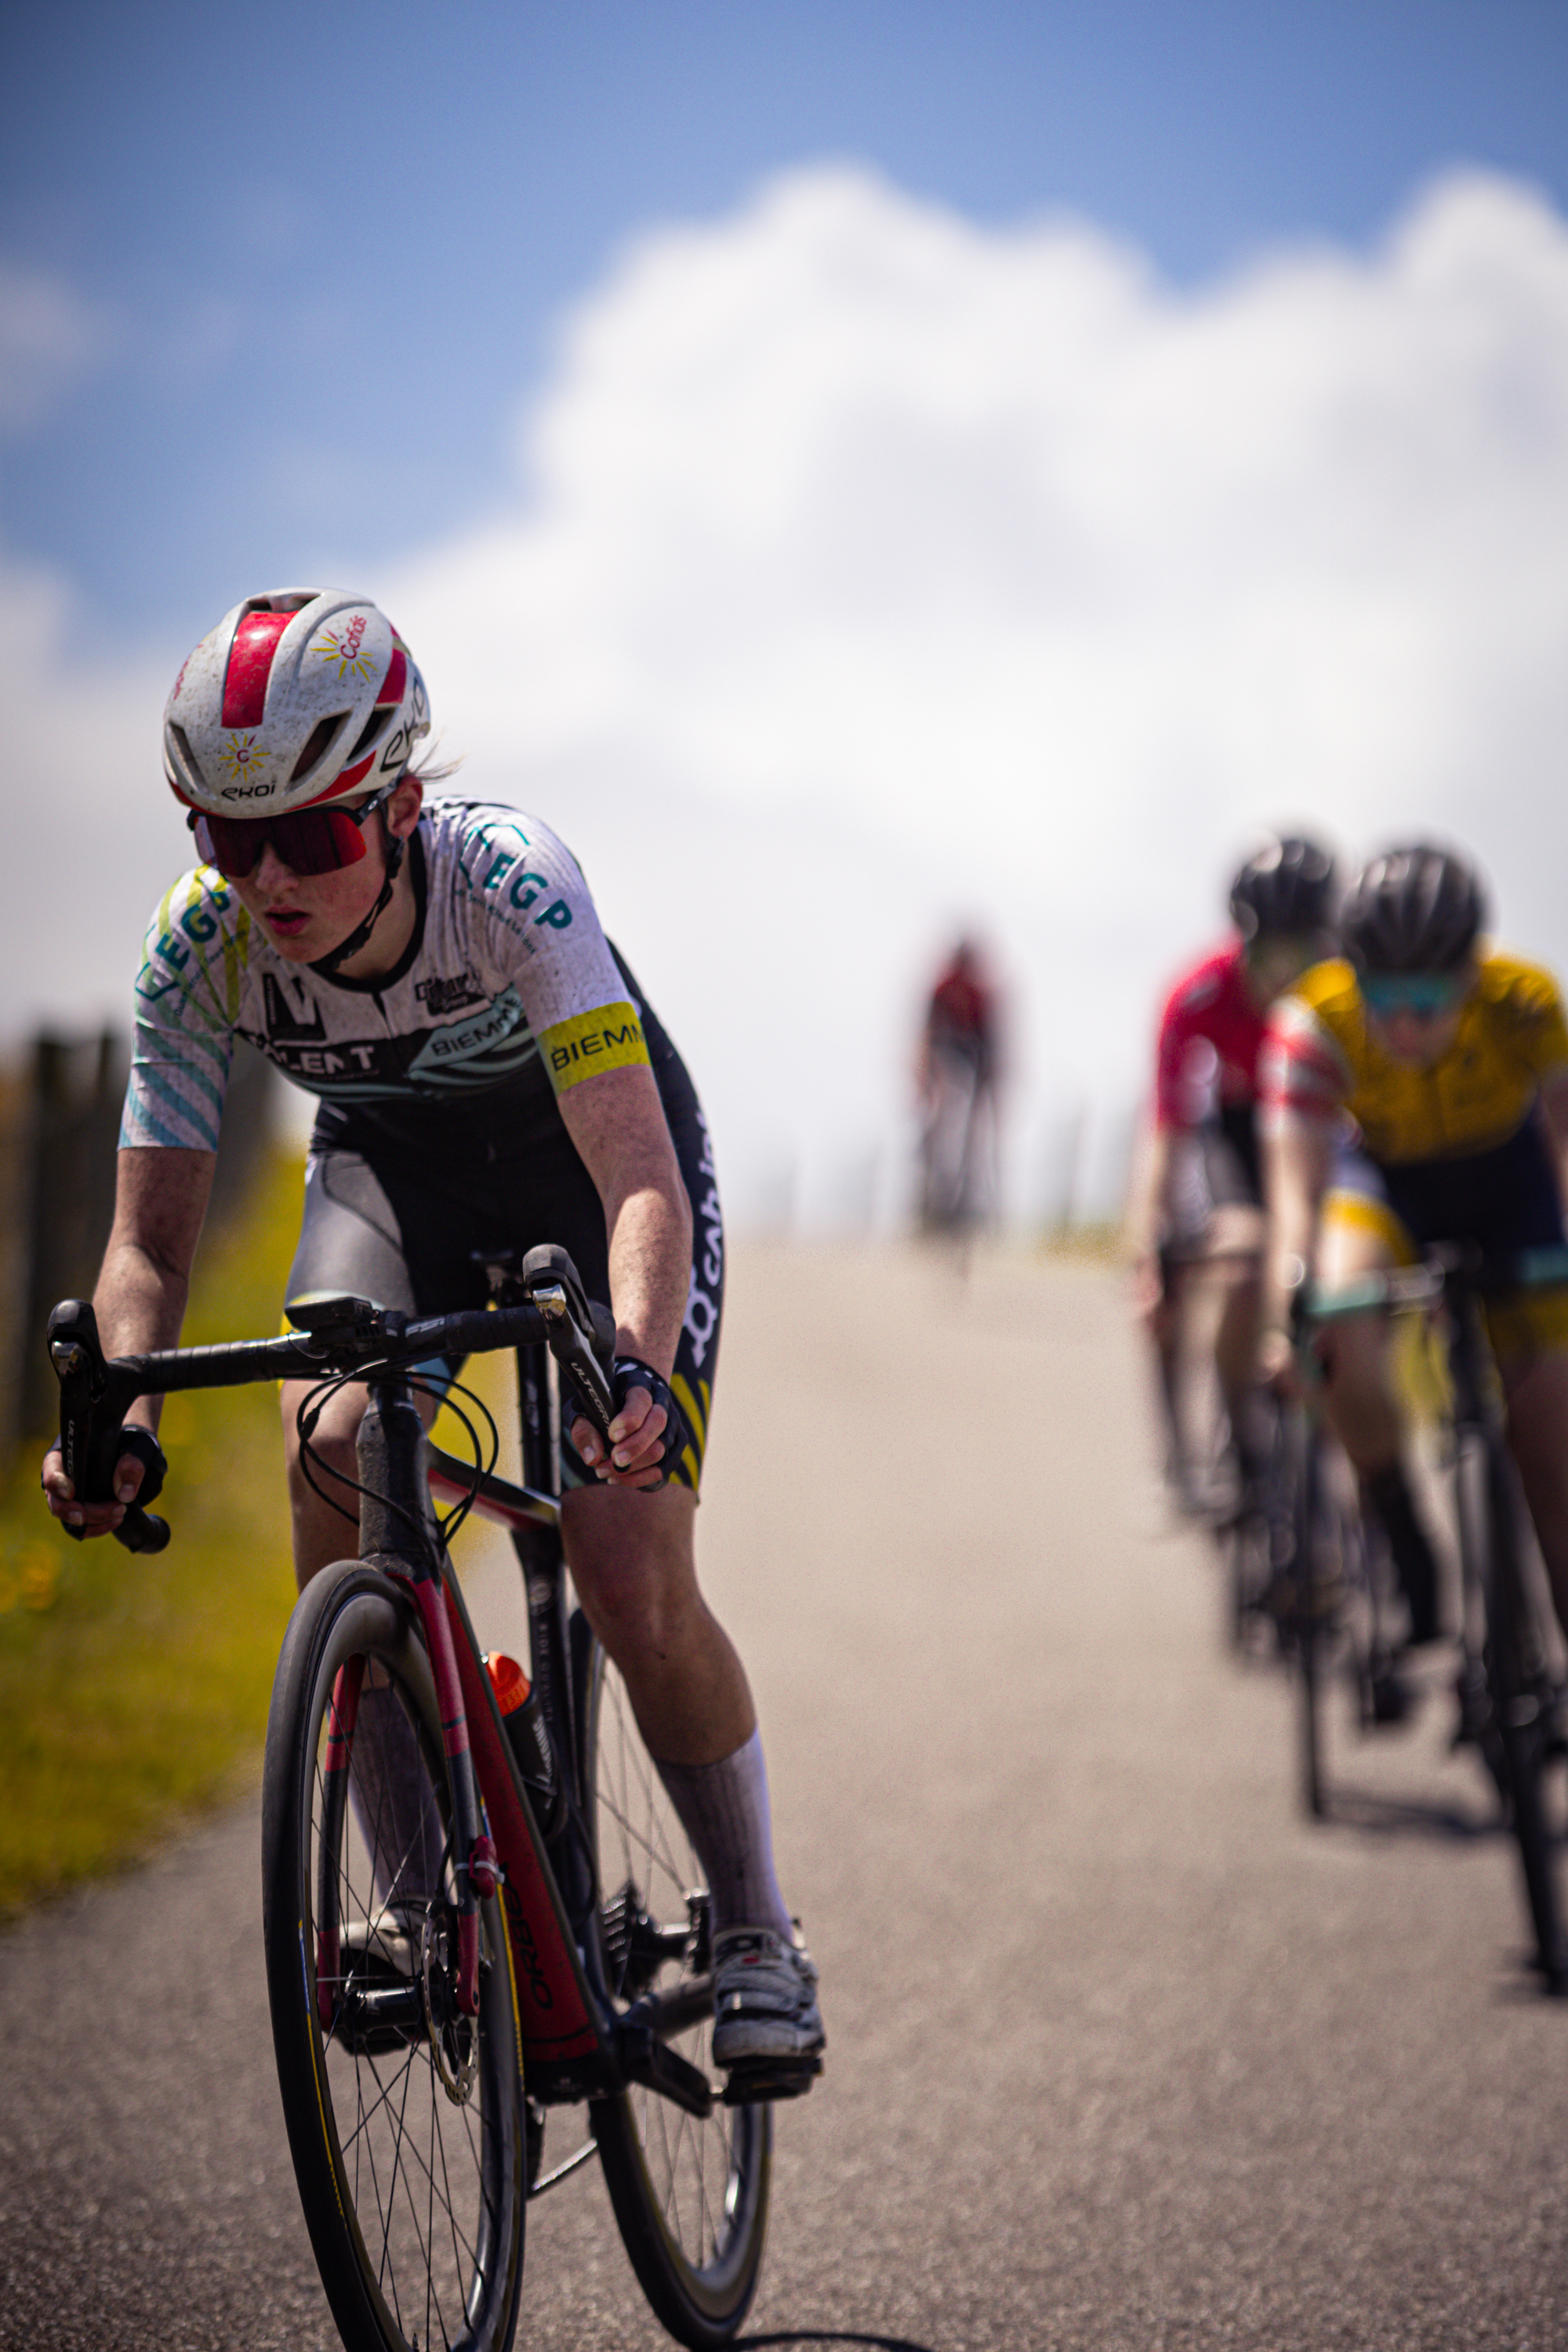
(1451, 1060)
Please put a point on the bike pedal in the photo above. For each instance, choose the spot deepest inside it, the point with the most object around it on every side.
(752, 2079)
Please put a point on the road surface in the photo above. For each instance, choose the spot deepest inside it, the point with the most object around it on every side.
(1122, 2052)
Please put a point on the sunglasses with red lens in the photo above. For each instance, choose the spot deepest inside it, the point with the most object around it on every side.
(308, 840)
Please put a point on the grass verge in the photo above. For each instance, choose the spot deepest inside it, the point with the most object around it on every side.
(133, 1692)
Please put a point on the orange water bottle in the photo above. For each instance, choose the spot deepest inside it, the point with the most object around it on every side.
(523, 1719)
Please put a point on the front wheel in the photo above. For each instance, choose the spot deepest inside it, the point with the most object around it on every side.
(691, 2194)
(406, 2116)
(1313, 1593)
(1516, 1686)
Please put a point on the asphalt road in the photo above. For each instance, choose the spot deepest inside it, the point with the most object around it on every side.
(1122, 2052)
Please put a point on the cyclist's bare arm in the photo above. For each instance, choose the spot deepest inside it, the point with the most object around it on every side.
(160, 1198)
(1298, 1157)
(617, 1123)
(1149, 1209)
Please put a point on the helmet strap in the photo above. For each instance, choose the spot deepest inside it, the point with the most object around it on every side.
(336, 957)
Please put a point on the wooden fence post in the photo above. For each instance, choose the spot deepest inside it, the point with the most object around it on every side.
(60, 1126)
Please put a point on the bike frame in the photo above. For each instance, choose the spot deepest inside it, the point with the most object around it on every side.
(575, 2046)
(1512, 1654)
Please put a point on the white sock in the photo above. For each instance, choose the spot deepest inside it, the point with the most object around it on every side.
(723, 1808)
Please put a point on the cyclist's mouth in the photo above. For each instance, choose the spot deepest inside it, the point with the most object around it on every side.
(286, 922)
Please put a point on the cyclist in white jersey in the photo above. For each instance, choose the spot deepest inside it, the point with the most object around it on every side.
(488, 1070)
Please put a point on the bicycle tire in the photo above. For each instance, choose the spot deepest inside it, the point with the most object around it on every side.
(689, 2195)
(1307, 1627)
(414, 2197)
(1246, 1545)
(1517, 1722)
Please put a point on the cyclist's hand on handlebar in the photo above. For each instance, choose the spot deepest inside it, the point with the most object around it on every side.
(1275, 1365)
(92, 1518)
(647, 1435)
(1152, 1303)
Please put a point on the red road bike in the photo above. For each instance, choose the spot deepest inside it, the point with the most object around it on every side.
(508, 1924)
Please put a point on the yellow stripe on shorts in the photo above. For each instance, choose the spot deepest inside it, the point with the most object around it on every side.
(696, 1418)
(1365, 1214)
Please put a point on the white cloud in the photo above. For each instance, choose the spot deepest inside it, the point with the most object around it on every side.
(874, 570)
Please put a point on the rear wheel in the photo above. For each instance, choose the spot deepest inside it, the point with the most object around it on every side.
(689, 2193)
(404, 2115)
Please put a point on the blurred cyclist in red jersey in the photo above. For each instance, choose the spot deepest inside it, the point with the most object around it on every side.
(956, 1076)
(1201, 1194)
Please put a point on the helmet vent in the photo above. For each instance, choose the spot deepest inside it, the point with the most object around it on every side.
(188, 760)
(292, 600)
(375, 725)
(318, 744)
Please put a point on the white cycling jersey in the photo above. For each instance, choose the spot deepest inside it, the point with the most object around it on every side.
(507, 994)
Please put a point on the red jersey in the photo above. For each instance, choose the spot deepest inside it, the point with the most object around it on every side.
(959, 1006)
(1210, 1039)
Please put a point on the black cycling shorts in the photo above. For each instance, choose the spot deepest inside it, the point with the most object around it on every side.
(1505, 1200)
(400, 1226)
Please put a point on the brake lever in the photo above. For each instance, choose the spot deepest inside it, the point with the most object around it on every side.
(581, 1333)
(91, 1438)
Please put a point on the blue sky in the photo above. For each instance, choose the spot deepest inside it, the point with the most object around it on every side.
(318, 256)
(857, 469)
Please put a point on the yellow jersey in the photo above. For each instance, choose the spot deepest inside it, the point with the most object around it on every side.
(1323, 1058)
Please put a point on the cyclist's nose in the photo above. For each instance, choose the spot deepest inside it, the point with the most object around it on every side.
(271, 872)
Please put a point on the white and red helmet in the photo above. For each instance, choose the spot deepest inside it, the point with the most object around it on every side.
(306, 695)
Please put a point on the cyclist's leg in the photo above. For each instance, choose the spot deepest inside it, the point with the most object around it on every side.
(1187, 1214)
(633, 1563)
(1536, 1387)
(1236, 1230)
(1529, 1332)
(1236, 1235)
(1360, 1235)
(351, 1240)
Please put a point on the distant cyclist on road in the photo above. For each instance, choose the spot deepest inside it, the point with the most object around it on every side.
(489, 1072)
(957, 1080)
(1451, 1059)
(1201, 1190)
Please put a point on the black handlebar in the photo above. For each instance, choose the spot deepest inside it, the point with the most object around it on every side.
(1448, 1269)
(335, 1335)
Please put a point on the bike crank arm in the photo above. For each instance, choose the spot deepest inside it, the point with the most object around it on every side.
(644, 2059)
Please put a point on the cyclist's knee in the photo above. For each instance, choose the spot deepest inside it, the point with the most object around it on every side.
(633, 1562)
(1362, 1405)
